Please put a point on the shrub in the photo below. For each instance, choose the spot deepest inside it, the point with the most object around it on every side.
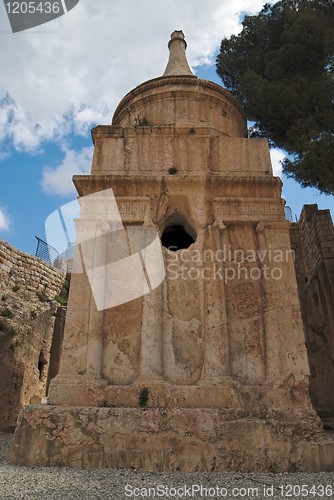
(6, 313)
(61, 300)
(142, 122)
(6, 328)
(16, 288)
(42, 297)
(172, 171)
(13, 346)
(143, 397)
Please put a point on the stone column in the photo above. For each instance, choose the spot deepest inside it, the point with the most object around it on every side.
(216, 355)
(151, 366)
(282, 318)
(148, 246)
(99, 219)
(96, 252)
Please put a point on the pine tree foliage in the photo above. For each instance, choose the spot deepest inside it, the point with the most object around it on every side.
(281, 68)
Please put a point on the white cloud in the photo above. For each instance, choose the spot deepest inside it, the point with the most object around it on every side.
(277, 156)
(66, 75)
(58, 180)
(4, 220)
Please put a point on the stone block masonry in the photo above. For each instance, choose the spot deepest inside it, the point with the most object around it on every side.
(28, 287)
(31, 274)
(312, 239)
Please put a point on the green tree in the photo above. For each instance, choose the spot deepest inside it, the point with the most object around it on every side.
(281, 68)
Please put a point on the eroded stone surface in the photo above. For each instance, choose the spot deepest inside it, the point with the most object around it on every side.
(168, 440)
(27, 317)
(313, 240)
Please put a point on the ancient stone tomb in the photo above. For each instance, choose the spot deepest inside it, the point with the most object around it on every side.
(205, 367)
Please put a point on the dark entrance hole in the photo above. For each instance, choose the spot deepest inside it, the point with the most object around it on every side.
(41, 365)
(175, 238)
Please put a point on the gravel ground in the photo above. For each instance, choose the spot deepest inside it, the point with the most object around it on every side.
(120, 484)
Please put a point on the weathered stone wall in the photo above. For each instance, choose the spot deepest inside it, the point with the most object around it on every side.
(30, 273)
(28, 286)
(167, 439)
(313, 241)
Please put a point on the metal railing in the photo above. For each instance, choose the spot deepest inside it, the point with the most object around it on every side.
(288, 213)
(46, 252)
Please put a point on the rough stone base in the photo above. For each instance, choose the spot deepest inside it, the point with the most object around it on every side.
(167, 440)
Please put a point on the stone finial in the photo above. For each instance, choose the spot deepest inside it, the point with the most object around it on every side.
(177, 63)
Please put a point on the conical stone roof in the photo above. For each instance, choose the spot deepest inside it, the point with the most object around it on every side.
(178, 98)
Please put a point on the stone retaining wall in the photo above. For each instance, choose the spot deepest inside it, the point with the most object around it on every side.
(312, 239)
(29, 273)
(28, 287)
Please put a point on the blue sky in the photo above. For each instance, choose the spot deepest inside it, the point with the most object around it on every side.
(61, 79)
